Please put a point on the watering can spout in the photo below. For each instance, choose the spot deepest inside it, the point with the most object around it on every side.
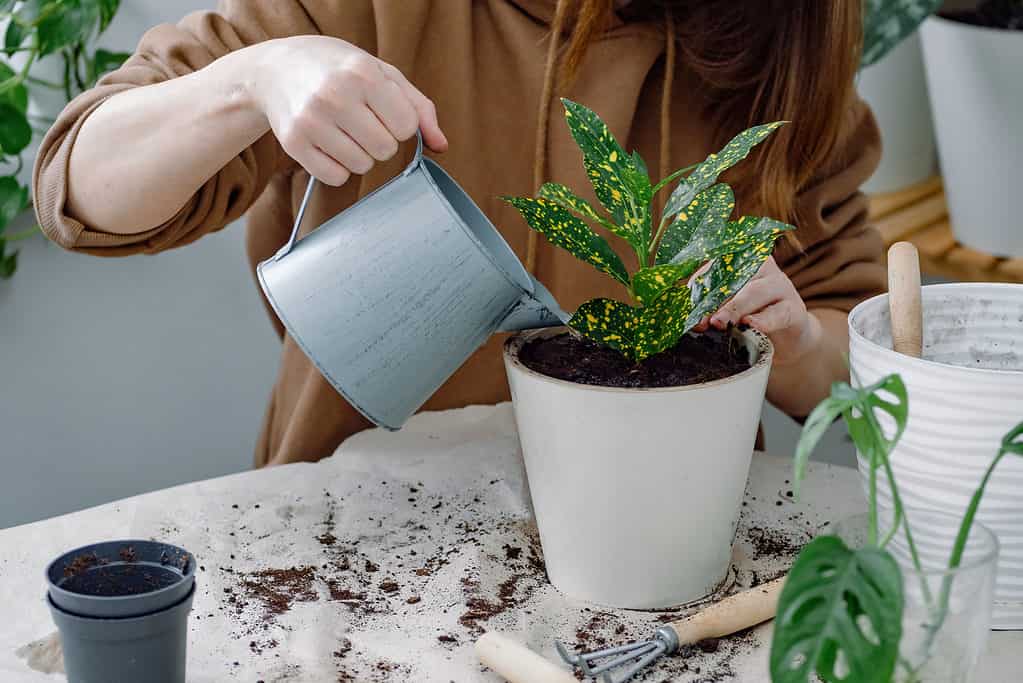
(534, 310)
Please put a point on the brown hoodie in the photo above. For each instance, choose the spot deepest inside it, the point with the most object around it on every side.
(482, 62)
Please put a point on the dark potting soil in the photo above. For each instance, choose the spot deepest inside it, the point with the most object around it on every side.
(1005, 14)
(695, 359)
(91, 577)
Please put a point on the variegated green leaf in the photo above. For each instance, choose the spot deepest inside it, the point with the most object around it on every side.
(707, 171)
(607, 322)
(559, 194)
(570, 233)
(704, 217)
(662, 323)
(615, 178)
(640, 165)
(649, 283)
(734, 236)
(886, 23)
(728, 274)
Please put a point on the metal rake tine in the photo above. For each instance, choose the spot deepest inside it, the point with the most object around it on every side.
(638, 650)
(659, 649)
(575, 659)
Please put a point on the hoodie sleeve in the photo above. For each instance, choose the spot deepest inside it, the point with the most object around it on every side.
(166, 52)
(841, 262)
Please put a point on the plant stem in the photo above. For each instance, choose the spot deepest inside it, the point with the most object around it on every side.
(659, 186)
(872, 512)
(656, 243)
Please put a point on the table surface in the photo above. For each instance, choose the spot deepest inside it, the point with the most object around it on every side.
(385, 561)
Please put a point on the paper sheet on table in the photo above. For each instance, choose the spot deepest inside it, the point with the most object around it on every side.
(384, 563)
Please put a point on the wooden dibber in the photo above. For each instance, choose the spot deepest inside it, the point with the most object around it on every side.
(518, 664)
(904, 299)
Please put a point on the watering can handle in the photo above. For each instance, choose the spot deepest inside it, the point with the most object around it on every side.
(283, 251)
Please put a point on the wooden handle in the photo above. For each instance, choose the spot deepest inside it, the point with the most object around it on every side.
(904, 299)
(734, 613)
(516, 663)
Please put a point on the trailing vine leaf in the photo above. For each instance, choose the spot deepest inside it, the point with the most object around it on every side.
(607, 322)
(8, 262)
(613, 174)
(570, 233)
(13, 200)
(13, 37)
(707, 171)
(706, 214)
(839, 616)
(861, 415)
(104, 62)
(107, 10)
(16, 96)
(649, 283)
(15, 131)
(886, 23)
(72, 21)
(662, 323)
(728, 274)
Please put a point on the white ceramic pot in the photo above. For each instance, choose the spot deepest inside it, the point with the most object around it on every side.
(973, 76)
(896, 90)
(964, 396)
(637, 491)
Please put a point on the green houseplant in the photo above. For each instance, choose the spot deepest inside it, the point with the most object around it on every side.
(840, 615)
(35, 29)
(603, 458)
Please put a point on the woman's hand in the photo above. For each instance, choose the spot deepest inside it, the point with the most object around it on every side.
(335, 108)
(770, 304)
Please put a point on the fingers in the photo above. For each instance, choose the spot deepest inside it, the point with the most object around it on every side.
(393, 109)
(321, 165)
(757, 294)
(342, 148)
(774, 318)
(426, 112)
(363, 126)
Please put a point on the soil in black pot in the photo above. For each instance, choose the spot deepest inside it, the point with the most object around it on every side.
(1007, 14)
(695, 359)
(91, 575)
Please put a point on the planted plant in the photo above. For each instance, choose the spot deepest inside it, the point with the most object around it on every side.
(37, 29)
(695, 228)
(840, 613)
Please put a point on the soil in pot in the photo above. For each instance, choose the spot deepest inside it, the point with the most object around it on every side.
(89, 574)
(1007, 14)
(695, 359)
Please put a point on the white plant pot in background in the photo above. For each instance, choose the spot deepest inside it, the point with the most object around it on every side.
(637, 492)
(965, 394)
(896, 90)
(976, 89)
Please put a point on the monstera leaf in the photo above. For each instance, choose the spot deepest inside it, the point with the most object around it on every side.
(839, 616)
(886, 23)
(555, 223)
(620, 186)
(707, 171)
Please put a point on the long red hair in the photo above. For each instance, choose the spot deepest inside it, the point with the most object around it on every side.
(759, 61)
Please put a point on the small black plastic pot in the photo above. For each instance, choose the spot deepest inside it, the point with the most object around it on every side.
(122, 611)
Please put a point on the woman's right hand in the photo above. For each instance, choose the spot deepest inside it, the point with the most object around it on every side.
(335, 108)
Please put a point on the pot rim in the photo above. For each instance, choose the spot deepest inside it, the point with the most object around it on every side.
(923, 363)
(990, 30)
(515, 343)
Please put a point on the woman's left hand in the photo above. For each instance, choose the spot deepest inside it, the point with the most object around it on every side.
(771, 304)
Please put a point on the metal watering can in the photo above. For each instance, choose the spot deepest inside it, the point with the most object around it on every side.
(389, 297)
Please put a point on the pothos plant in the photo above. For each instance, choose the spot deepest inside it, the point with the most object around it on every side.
(694, 229)
(840, 612)
(37, 29)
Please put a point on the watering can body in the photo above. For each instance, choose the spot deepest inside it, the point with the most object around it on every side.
(392, 295)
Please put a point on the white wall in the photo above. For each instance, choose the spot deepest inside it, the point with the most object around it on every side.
(125, 375)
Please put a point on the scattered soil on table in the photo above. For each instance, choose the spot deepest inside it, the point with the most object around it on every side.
(1004, 14)
(695, 359)
(775, 542)
(274, 590)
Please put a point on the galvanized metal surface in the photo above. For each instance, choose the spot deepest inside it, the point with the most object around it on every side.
(391, 296)
(964, 395)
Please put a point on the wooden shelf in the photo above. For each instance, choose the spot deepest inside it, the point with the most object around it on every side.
(918, 214)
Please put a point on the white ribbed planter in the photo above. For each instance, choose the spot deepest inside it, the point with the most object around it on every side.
(637, 491)
(964, 395)
(976, 90)
(896, 90)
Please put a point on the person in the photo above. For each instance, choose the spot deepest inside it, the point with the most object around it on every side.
(227, 113)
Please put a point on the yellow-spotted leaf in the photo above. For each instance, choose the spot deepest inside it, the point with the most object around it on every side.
(697, 225)
(734, 236)
(662, 323)
(559, 194)
(727, 275)
(649, 283)
(707, 172)
(616, 181)
(563, 229)
(608, 322)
